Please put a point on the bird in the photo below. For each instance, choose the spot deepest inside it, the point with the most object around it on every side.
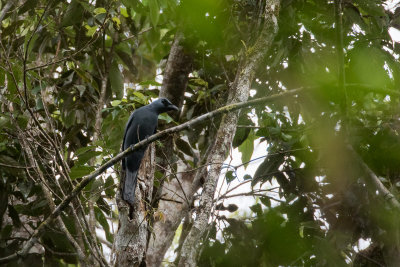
(141, 124)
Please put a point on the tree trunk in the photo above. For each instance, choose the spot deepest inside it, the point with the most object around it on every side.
(171, 212)
(131, 238)
(238, 92)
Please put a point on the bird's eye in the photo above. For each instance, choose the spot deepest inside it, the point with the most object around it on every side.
(165, 102)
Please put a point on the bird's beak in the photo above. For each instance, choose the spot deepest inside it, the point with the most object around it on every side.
(173, 107)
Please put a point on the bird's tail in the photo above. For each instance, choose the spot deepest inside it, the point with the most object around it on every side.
(128, 191)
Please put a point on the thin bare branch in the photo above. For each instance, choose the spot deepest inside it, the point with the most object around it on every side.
(87, 179)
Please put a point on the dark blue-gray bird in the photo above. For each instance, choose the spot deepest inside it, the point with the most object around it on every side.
(141, 124)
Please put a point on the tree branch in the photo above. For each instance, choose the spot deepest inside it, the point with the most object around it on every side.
(6, 8)
(238, 92)
(388, 196)
(87, 179)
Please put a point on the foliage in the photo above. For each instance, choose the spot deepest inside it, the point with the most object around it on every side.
(56, 56)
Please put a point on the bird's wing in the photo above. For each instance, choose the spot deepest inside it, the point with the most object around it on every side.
(128, 124)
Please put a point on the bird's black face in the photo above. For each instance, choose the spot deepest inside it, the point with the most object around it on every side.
(164, 105)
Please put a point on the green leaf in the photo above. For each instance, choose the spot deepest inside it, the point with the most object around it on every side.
(73, 14)
(230, 176)
(124, 12)
(257, 209)
(22, 121)
(84, 149)
(232, 208)
(154, 12)
(266, 201)
(150, 82)
(184, 146)
(247, 148)
(117, 83)
(241, 132)
(141, 98)
(371, 7)
(3, 121)
(268, 168)
(247, 177)
(115, 103)
(96, 189)
(6, 231)
(85, 157)
(117, 22)
(103, 222)
(301, 231)
(99, 10)
(14, 216)
(27, 6)
(127, 60)
(80, 171)
(108, 187)
(90, 30)
(165, 117)
(12, 89)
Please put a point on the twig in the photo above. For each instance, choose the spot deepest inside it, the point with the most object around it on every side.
(176, 177)
(87, 179)
(136, 35)
(4, 11)
(15, 166)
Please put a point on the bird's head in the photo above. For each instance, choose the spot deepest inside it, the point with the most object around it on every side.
(163, 105)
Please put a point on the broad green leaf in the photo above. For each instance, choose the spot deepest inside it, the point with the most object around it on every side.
(109, 187)
(99, 10)
(117, 83)
(96, 188)
(85, 157)
(80, 171)
(22, 121)
(27, 6)
(90, 30)
(73, 14)
(103, 222)
(165, 117)
(115, 103)
(14, 216)
(154, 12)
(247, 148)
(371, 7)
(268, 168)
(257, 208)
(124, 12)
(184, 146)
(266, 201)
(117, 22)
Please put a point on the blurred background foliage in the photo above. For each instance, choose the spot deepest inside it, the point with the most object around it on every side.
(56, 54)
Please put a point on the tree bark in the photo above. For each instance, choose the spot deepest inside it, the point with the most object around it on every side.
(239, 92)
(170, 214)
(176, 76)
(39, 231)
(131, 238)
